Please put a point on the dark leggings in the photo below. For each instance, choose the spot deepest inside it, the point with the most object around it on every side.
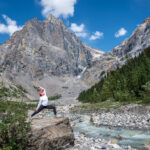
(42, 107)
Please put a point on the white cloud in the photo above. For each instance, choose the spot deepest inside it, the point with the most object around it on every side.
(79, 30)
(82, 34)
(10, 27)
(120, 32)
(75, 28)
(64, 8)
(97, 35)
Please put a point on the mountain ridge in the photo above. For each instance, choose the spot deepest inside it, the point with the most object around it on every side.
(131, 47)
(48, 53)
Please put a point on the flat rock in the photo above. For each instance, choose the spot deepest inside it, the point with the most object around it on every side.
(50, 134)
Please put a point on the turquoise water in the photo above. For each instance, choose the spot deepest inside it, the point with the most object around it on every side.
(136, 138)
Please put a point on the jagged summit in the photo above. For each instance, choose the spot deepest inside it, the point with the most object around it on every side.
(52, 18)
(139, 40)
(43, 49)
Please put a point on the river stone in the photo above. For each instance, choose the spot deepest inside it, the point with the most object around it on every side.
(50, 134)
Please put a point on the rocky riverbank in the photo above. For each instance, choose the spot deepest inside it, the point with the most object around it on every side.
(127, 119)
(133, 116)
(128, 116)
(82, 142)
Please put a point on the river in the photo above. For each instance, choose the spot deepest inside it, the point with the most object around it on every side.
(136, 138)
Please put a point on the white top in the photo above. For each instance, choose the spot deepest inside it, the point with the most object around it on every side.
(42, 101)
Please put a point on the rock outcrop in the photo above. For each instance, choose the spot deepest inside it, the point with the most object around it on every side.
(51, 134)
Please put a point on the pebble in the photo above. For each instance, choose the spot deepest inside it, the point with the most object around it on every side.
(86, 143)
(123, 120)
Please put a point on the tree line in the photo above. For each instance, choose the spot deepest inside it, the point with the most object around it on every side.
(129, 83)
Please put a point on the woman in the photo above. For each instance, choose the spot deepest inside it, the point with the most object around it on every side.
(43, 102)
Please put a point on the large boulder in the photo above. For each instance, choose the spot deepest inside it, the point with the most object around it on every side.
(51, 134)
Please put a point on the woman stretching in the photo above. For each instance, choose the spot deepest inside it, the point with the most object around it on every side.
(43, 103)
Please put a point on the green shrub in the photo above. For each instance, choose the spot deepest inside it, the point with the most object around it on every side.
(55, 97)
(102, 73)
(21, 90)
(15, 92)
(145, 93)
(4, 92)
(14, 129)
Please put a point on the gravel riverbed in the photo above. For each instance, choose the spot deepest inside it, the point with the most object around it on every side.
(128, 116)
(86, 143)
(133, 116)
(131, 120)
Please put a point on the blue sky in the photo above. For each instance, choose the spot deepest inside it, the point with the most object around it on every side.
(102, 24)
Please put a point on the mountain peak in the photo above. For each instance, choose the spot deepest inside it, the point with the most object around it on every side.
(49, 47)
(51, 17)
(136, 43)
(146, 20)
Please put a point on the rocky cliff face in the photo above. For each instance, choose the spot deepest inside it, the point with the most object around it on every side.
(44, 51)
(45, 47)
(131, 47)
